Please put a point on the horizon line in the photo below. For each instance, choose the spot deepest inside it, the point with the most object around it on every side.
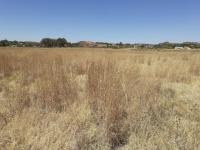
(171, 42)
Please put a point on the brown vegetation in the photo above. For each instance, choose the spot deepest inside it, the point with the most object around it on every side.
(94, 99)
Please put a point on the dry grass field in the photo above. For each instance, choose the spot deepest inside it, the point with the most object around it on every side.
(96, 99)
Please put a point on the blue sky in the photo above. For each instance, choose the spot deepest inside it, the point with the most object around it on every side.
(134, 21)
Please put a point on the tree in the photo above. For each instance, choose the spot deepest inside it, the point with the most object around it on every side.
(4, 43)
(120, 45)
(166, 45)
(48, 42)
(61, 42)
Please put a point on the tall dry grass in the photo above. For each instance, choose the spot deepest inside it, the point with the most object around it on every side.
(95, 99)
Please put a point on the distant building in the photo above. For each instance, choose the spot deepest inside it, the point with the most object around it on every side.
(182, 48)
(13, 45)
(187, 48)
(135, 47)
(115, 46)
(86, 44)
(178, 48)
(101, 45)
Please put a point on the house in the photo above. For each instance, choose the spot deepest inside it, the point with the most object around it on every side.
(187, 48)
(86, 44)
(13, 45)
(178, 48)
(182, 48)
(98, 45)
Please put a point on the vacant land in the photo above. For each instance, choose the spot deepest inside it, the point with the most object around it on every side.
(98, 99)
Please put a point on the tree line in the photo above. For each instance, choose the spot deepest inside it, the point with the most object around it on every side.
(62, 42)
(168, 45)
(45, 42)
(6, 43)
(48, 42)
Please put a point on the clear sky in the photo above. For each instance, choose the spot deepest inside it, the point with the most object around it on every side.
(135, 21)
